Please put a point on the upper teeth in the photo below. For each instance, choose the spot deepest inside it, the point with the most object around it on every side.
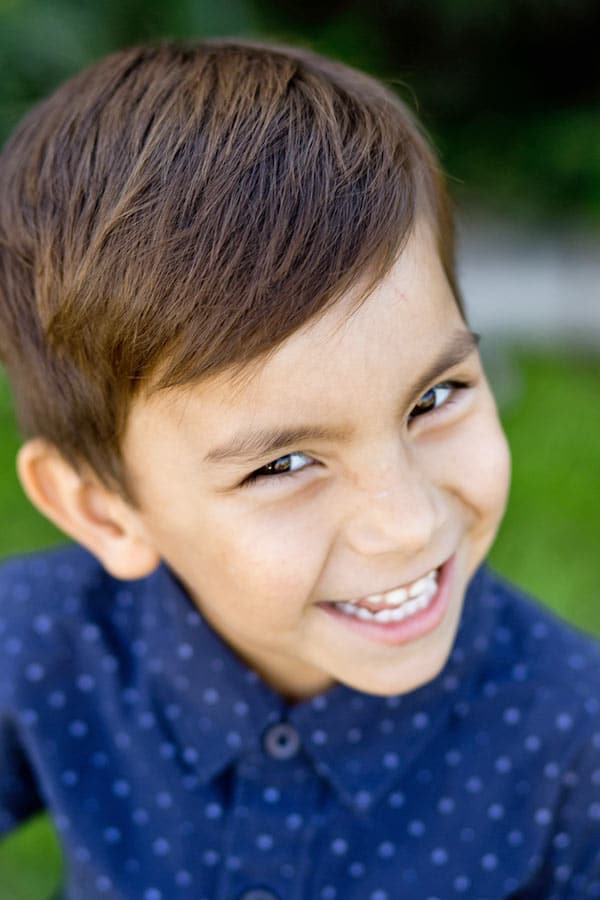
(397, 604)
(401, 594)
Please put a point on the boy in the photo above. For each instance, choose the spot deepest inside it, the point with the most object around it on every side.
(274, 665)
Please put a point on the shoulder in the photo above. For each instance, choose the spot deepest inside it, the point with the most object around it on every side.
(40, 581)
(532, 724)
(537, 633)
(533, 653)
(46, 599)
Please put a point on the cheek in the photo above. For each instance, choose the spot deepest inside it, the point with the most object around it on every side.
(274, 554)
(472, 463)
(487, 469)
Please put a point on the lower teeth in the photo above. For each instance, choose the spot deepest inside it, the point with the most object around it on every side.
(406, 609)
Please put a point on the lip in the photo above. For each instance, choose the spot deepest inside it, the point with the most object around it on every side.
(409, 629)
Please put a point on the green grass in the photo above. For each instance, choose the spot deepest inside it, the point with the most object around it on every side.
(547, 544)
(30, 862)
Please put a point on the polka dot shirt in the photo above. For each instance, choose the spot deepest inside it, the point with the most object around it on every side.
(172, 772)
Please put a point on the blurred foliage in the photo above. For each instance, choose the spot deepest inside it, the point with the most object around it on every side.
(509, 89)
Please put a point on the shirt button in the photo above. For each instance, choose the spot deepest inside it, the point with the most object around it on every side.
(282, 741)
(258, 894)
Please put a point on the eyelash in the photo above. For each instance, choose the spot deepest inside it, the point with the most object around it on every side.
(260, 474)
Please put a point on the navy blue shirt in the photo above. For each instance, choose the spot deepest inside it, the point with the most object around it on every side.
(173, 772)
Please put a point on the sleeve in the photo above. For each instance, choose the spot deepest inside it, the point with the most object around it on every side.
(573, 872)
(19, 797)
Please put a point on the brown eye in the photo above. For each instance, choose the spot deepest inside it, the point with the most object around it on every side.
(435, 397)
(284, 465)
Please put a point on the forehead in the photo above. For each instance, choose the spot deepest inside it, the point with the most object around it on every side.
(338, 366)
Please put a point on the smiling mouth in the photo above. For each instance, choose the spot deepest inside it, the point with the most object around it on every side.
(393, 605)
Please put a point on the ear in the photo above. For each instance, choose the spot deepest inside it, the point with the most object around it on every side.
(90, 513)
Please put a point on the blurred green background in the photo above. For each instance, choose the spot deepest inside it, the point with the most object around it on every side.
(509, 90)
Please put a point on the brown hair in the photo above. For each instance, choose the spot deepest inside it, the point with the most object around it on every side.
(183, 208)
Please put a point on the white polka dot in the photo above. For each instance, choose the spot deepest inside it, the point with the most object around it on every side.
(512, 715)
(453, 758)
(264, 841)
(543, 816)
(503, 764)
(35, 672)
(339, 846)
(161, 847)
(121, 788)
(446, 805)
(42, 624)
(213, 810)
(562, 874)
(185, 651)
(593, 812)
(362, 799)
(78, 728)
(474, 784)
(112, 835)
(421, 720)
(386, 850)
(564, 721)
(356, 869)
(391, 760)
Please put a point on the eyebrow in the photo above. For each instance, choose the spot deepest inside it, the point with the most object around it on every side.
(257, 444)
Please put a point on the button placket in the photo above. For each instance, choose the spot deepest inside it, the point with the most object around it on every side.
(278, 784)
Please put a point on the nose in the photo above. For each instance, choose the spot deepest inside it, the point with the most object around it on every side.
(399, 512)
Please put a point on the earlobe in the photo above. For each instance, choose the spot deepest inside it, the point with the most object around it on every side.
(85, 510)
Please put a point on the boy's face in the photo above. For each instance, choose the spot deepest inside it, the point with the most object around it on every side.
(419, 479)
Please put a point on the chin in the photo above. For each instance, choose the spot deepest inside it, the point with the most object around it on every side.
(393, 685)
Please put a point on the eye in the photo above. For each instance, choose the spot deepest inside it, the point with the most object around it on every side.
(282, 466)
(439, 395)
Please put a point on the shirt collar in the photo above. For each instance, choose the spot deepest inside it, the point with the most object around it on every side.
(216, 709)
(215, 706)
